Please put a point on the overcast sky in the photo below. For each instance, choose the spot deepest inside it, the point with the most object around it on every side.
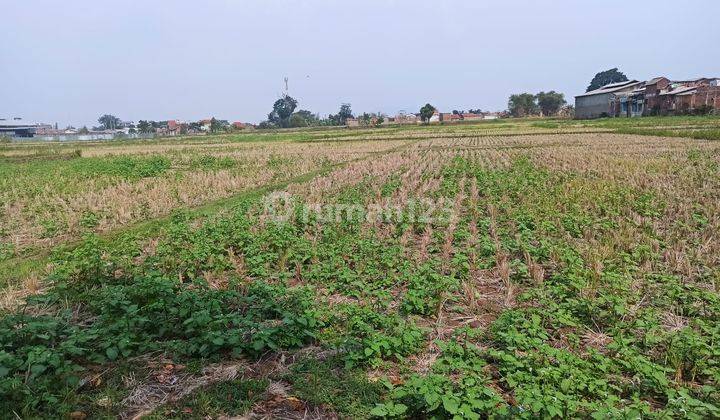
(70, 61)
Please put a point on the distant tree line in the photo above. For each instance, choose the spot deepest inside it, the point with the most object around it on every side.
(545, 103)
(284, 115)
(111, 122)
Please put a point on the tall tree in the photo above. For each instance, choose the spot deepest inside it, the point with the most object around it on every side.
(606, 77)
(145, 127)
(282, 110)
(215, 125)
(342, 116)
(426, 112)
(522, 104)
(365, 119)
(109, 122)
(550, 102)
(379, 120)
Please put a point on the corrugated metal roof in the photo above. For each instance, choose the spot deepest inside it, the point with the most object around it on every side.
(680, 90)
(611, 85)
(655, 80)
(610, 88)
(13, 123)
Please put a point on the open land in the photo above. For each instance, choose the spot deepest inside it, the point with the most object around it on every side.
(519, 268)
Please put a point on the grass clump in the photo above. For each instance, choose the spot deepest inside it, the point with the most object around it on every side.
(328, 383)
(224, 399)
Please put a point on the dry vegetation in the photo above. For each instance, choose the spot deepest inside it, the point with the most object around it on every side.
(564, 271)
(46, 201)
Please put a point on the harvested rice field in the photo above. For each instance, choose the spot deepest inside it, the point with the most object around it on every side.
(513, 269)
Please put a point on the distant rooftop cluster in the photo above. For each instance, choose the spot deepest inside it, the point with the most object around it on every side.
(17, 127)
(437, 117)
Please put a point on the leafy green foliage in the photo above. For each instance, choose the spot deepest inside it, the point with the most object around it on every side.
(42, 357)
(522, 105)
(606, 77)
(426, 112)
(550, 102)
(466, 395)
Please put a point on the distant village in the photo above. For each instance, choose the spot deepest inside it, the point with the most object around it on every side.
(619, 98)
(446, 117)
(18, 128)
(21, 129)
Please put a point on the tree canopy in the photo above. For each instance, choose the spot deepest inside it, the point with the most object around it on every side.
(522, 104)
(297, 120)
(426, 112)
(282, 110)
(550, 102)
(145, 127)
(342, 116)
(109, 122)
(215, 125)
(606, 77)
(304, 118)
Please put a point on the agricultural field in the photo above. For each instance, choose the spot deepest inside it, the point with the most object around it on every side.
(511, 269)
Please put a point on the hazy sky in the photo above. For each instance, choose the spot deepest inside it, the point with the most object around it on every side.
(70, 61)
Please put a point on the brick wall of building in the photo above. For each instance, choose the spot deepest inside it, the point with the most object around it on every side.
(707, 95)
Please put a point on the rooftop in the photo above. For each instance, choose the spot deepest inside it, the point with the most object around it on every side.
(655, 80)
(680, 90)
(610, 88)
(17, 123)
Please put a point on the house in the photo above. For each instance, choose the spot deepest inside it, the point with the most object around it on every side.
(657, 96)
(602, 102)
(653, 88)
(352, 122)
(688, 98)
(628, 104)
(173, 127)
(239, 125)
